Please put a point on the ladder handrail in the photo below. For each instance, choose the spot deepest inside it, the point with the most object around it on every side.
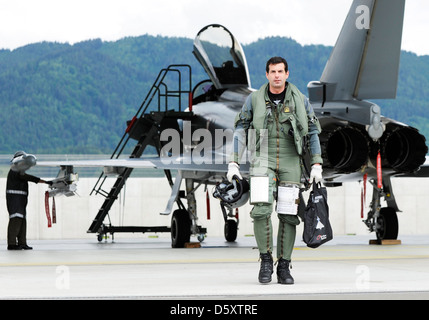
(150, 95)
(161, 76)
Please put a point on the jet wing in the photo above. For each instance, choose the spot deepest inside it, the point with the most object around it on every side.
(163, 163)
(65, 182)
(124, 163)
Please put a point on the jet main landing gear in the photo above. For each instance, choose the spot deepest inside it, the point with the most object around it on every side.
(383, 221)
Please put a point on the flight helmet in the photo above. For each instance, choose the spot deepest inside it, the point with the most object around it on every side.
(18, 154)
(22, 161)
(233, 194)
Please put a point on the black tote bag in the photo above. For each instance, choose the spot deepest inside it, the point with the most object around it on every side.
(317, 228)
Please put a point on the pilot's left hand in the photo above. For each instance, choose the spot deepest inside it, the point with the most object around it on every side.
(316, 173)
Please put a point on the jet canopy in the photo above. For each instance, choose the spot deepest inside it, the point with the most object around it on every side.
(222, 57)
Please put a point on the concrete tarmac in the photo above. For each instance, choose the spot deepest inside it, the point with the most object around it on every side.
(148, 268)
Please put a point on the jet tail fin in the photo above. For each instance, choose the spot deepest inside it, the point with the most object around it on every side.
(364, 63)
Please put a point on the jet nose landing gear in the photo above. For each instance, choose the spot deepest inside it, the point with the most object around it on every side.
(230, 230)
(231, 223)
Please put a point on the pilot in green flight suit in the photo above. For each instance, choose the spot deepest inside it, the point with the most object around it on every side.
(273, 123)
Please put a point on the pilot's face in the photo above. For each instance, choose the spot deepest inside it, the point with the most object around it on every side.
(277, 77)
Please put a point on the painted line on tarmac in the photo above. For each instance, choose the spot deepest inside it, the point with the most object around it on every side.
(204, 261)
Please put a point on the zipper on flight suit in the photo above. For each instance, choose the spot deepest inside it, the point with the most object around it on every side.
(276, 119)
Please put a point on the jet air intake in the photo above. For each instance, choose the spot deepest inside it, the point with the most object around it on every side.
(403, 148)
(345, 149)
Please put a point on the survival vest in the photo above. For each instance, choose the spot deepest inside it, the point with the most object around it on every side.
(293, 111)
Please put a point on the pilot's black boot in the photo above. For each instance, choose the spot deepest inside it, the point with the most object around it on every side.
(283, 272)
(266, 269)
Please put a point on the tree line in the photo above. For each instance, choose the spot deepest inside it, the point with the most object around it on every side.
(60, 98)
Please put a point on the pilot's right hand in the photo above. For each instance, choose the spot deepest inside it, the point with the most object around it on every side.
(233, 170)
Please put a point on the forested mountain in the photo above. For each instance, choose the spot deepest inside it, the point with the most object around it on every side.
(61, 98)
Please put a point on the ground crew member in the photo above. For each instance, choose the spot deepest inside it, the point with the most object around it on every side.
(16, 200)
(280, 117)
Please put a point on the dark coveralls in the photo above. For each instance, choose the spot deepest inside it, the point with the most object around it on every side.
(16, 201)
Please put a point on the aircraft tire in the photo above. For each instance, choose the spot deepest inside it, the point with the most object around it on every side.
(389, 226)
(230, 230)
(180, 228)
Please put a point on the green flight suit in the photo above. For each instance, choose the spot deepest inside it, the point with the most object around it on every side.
(279, 130)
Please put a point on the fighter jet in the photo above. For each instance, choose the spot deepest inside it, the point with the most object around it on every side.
(194, 140)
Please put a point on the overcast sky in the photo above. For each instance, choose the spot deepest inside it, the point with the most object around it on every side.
(307, 21)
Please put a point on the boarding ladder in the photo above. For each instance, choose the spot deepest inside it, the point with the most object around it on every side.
(165, 102)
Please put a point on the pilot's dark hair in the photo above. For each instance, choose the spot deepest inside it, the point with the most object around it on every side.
(276, 60)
